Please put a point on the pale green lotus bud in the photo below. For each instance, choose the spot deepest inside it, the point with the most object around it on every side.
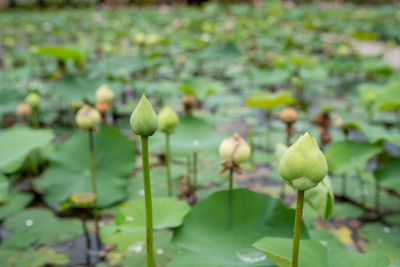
(33, 99)
(234, 149)
(303, 165)
(168, 120)
(144, 120)
(87, 117)
(104, 94)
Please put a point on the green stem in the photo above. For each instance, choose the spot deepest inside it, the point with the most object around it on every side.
(377, 196)
(167, 163)
(147, 197)
(94, 185)
(344, 182)
(297, 228)
(35, 119)
(194, 172)
(230, 179)
(32, 165)
(188, 174)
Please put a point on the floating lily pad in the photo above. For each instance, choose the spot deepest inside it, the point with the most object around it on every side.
(202, 87)
(17, 201)
(212, 234)
(345, 156)
(4, 184)
(388, 175)
(69, 171)
(32, 257)
(17, 142)
(267, 100)
(40, 227)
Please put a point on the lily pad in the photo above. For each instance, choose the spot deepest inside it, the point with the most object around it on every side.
(345, 156)
(17, 142)
(212, 234)
(267, 100)
(69, 172)
(388, 175)
(202, 87)
(17, 201)
(40, 227)
(4, 184)
(32, 257)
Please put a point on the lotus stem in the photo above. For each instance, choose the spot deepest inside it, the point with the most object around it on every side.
(148, 204)
(195, 162)
(344, 182)
(230, 179)
(167, 163)
(297, 228)
(94, 185)
(35, 118)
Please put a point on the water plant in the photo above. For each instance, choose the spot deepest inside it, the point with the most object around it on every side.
(33, 100)
(87, 118)
(303, 166)
(144, 123)
(168, 121)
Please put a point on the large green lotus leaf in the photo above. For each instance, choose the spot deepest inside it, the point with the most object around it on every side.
(4, 185)
(17, 142)
(119, 66)
(321, 198)
(202, 87)
(268, 100)
(33, 258)
(326, 238)
(347, 210)
(313, 253)
(215, 234)
(225, 51)
(279, 250)
(388, 175)
(167, 212)
(16, 202)
(380, 238)
(73, 52)
(69, 172)
(263, 77)
(40, 227)
(345, 156)
(129, 225)
(396, 263)
(376, 66)
(192, 135)
(315, 74)
(389, 98)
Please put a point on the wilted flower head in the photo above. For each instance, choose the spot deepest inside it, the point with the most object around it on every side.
(189, 102)
(303, 165)
(288, 115)
(144, 121)
(104, 94)
(234, 150)
(23, 110)
(33, 99)
(168, 120)
(87, 117)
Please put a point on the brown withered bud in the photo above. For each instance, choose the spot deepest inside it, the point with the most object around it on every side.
(102, 107)
(325, 136)
(288, 115)
(323, 120)
(23, 110)
(189, 103)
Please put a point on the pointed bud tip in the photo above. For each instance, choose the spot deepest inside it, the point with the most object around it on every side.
(144, 120)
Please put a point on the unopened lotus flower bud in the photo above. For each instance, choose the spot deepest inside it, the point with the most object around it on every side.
(33, 99)
(144, 121)
(303, 165)
(168, 120)
(288, 115)
(87, 117)
(23, 110)
(234, 149)
(104, 94)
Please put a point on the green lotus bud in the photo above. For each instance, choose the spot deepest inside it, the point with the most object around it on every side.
(83, 199)
(87, 117)
(144, 120)
(104, 94)
(234, 149)
(168, 120)
(303, 165)
(33, 99)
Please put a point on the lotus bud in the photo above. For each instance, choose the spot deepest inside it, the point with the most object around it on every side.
(23, 110)
(33, 99)
(104, 94)
(168, 120)
(234, 149)
(144, 121)
(303, 165)
(77, 104)
(87, 117)
(288, 115)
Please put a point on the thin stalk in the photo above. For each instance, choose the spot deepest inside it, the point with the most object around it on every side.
(344, 182)
(35, 119)
(283, 191)
(297, 228)
(167, 163)
(94, 185)
(32, 165)
(188, 173)
(87, 237)
(148, 204)
(230, 179)
(361, 185)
